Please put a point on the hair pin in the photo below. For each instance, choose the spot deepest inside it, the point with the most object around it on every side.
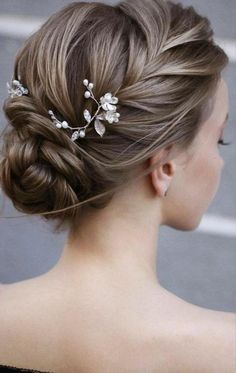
(16, 88)
(107, 103)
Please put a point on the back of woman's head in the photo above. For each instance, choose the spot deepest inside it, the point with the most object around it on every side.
(157, 57)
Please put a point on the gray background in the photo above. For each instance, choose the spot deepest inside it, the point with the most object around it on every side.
(197, 266)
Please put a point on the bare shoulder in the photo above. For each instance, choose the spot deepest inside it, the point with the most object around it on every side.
(219, 335)
(210, 346)
(27, 320)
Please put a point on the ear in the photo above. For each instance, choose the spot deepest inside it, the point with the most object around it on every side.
(164, 171)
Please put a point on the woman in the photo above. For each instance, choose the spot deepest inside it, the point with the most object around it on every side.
(112, 172)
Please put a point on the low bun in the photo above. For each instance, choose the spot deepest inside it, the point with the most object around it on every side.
(40, 171)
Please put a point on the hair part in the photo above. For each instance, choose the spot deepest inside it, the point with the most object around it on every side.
(158, 57)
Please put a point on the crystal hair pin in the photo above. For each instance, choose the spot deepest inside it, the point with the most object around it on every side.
(16, 88)
(107, 103)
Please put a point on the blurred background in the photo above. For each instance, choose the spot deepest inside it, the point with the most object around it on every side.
(198, 266)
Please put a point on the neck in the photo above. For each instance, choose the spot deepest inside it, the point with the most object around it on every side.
(115, 240)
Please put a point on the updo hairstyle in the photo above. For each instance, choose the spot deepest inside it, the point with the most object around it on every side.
(158, 57)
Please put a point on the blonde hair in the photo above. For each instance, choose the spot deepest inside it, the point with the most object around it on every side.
(158, 57)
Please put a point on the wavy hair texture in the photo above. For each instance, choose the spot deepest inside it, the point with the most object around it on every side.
(158, 57)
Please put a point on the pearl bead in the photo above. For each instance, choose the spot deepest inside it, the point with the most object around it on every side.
(64, 124)
(87, 94)
(90, 85)
(58, 125)
(82, 133)
(85, 82)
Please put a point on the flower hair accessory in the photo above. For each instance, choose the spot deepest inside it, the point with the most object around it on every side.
(107, 103)
(16, 89)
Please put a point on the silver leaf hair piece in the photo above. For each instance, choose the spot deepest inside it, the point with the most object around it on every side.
(107, 103)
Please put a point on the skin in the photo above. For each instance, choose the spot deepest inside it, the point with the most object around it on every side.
(105, 281)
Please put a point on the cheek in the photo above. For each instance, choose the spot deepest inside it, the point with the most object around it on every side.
(194, 189)
(211, 168)
(200, 186)
(205, 176)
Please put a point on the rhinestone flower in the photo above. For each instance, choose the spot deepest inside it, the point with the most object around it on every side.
(108, 102)
(16, 89)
